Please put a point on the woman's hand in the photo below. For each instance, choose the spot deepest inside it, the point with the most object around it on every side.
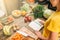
(42, 21)
(38, 34)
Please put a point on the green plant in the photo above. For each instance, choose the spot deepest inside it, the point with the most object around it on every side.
(38, 11)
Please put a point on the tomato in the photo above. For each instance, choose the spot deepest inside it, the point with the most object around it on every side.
(29, 18)
(25, 19)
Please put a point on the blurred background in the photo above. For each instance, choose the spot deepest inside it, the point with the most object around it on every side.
(9, 5)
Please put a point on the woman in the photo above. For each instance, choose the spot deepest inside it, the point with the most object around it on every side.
(52, 25)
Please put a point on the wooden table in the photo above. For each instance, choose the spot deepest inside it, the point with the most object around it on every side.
(19, 21)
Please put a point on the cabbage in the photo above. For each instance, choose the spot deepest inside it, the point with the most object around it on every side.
(47, 13)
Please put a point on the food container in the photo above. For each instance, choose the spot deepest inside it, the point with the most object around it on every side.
(16, 13)
(7, 20)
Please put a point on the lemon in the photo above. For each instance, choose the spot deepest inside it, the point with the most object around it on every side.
(23, 13)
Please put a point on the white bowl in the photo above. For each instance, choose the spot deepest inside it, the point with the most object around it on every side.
(16, 13)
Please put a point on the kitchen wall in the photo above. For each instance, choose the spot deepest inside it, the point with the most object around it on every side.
(2, 6)
(11, 5)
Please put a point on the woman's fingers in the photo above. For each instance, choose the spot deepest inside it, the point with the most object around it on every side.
(38, 34)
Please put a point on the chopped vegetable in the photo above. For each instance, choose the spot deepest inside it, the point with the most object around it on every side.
(17, 36)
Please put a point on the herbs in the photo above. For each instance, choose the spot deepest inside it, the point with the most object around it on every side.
(38, 11)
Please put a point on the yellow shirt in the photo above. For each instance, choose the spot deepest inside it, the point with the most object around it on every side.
(52, 24)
